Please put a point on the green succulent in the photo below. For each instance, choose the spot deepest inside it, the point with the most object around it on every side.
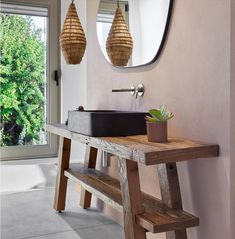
(159, 115)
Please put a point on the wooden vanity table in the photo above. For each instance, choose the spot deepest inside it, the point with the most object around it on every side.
(141, 212)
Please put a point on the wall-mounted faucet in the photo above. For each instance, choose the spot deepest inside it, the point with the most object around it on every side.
(135, 90)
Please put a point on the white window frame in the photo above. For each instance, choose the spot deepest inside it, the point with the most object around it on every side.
(53, 92)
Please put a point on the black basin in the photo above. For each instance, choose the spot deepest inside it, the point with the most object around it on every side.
(99, 123)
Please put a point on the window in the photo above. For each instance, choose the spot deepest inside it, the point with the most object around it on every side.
(29, 97)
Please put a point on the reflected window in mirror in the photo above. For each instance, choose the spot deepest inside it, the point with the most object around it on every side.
(148, 22)
(105, 18)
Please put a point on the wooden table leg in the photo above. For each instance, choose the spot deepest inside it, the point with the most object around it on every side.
(61, 180)
(170, 191)
(90, 162)
(131, 198)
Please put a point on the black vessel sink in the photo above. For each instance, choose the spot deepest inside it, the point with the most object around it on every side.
(100, 123)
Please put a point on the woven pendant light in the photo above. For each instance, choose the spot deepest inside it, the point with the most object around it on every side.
(119, 43)
(72, 38)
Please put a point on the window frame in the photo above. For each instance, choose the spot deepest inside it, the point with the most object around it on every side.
(53, 94)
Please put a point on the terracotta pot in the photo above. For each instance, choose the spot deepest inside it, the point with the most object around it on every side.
(157, 132)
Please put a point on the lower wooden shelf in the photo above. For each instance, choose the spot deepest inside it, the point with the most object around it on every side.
(157, 217)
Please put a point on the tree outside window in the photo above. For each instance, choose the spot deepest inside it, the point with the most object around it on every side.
(22, 79)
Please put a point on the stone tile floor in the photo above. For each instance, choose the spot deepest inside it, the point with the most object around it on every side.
(30, 214)
(27, 212)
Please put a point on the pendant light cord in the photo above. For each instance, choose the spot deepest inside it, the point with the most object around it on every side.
(118, 3)
(72, 1)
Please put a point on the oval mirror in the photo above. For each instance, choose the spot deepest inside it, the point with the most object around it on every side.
(140, 33)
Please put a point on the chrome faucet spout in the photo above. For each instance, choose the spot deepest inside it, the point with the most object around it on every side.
(132, 90)
(137, 91)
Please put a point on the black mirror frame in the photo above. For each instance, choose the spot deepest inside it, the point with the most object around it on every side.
(164, 37)
(161, 46)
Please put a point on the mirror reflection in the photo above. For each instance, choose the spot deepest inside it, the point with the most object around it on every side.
(147, 22)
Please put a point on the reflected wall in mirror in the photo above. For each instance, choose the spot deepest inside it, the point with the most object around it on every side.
(148, 22)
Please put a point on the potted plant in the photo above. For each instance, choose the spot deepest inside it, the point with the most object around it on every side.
(157, 124)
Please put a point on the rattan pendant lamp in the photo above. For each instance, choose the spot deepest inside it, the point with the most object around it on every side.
(119, 43)
(72, 38)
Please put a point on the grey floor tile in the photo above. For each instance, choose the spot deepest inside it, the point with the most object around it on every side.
(84, 218)
(27, 215)
(31, 214)
(111, 231)
(60, 235)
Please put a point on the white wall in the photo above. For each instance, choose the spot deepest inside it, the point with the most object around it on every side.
(74, 85)
(192, 77)
(136, 32)
(153, 15)
(147, 20)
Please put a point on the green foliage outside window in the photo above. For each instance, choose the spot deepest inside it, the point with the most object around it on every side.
(22, 79)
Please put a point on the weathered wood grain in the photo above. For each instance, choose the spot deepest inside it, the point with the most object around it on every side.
(169, 185)
(151, 213)
(131, 198)
(138, 149)
(106, 193)
(157, 216)
(61, 180)
(170, 192)
(90, 162)
(179, 234)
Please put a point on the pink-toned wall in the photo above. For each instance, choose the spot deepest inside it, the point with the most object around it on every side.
(232, 122)
(192, 77)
